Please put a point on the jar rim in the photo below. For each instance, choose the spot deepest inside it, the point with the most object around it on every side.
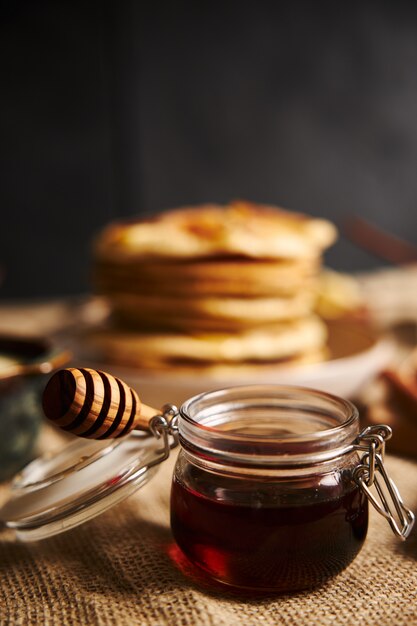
(206, 425)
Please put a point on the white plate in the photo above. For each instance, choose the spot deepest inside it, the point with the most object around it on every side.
(357, 356)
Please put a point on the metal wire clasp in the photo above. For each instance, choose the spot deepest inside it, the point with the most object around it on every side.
(371, 471)
(165, 425)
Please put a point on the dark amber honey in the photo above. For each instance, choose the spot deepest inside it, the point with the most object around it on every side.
(263, 496)
(266, 544)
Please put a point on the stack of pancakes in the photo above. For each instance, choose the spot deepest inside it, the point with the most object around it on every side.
(212, 287)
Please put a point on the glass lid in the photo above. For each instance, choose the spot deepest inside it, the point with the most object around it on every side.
(60, 491)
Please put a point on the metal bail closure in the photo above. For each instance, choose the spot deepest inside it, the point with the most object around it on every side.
(164, 425)
(371, 471)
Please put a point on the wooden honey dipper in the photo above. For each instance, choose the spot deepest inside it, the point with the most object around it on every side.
(94, 404)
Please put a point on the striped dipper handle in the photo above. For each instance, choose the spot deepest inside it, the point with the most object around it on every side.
(93, 404)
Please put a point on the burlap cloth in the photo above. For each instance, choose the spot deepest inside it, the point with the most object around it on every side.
(123, 568)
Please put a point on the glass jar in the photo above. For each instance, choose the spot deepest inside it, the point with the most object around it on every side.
(263, 494)
(270, 490)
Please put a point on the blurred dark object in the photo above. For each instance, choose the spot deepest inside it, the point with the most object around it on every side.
(395, 404)
(375, 240)
(24, 364)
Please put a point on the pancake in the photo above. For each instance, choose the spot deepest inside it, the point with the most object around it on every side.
(269, 343)
(228, 277)
(208, 313)
(240, 228)
(244, 370)
(212, 287)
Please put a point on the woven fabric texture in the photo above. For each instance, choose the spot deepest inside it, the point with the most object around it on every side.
(123, 568)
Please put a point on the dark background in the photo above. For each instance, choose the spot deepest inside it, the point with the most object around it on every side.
(111, 109)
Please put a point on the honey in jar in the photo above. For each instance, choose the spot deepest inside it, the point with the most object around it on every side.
(263, 496)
